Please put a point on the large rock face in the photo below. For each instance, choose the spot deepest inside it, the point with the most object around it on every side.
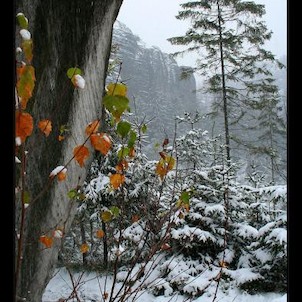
(65, 34)
(153, 80)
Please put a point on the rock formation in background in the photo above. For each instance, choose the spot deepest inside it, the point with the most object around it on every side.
(154, 82)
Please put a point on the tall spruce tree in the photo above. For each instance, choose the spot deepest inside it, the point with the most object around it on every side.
(229, 37)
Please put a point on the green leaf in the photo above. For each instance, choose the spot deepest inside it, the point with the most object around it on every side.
(73, 71)
(116, 104)
(123, 128)
(132, 139)
(26, 197)
(123, 152)
(144, 128)
(22, 21)
(115, 211)
(185, 196)
(72, 194)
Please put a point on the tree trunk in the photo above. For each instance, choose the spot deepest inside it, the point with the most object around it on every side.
(65, 33)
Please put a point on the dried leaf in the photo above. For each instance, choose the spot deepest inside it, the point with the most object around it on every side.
(117, 180)
(24, 125)
(45, 126)
(92, 127)
(165, 247)
(81, 153)
(121, 166)
(135, 218)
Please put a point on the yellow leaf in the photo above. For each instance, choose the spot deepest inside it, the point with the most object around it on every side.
(92, 127)
(45, 126)
(117, 89)
(84, 248)
(165, 164)
(60, 138)
(81, 153)
(101, 142)
(24, 125)
(106, 216)
(160, 170)
(117, 180)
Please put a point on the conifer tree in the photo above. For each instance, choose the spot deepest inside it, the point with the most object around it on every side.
(229, 37)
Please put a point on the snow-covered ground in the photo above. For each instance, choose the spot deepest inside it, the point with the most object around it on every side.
(91, 287)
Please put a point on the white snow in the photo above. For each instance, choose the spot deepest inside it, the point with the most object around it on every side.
(92, 286)
(280, 234)
(247, 231)
(79, 81)
(96, 185)
(57, 170)
(17, 160)
(263, 256)
(25, 34)
(18, 141)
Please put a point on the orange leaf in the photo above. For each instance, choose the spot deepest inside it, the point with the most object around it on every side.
(101, 142)
(116, 180)
(60, 171)
(47, 241)
(62, 175)
(45, 126)
(81, 153)
(92, 127)
(60, 138)
(100, 233)
(24, 125)
(84, 248)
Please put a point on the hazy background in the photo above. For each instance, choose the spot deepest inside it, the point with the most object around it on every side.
(154, 22)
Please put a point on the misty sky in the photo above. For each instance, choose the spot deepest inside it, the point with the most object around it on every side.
(154, 21)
